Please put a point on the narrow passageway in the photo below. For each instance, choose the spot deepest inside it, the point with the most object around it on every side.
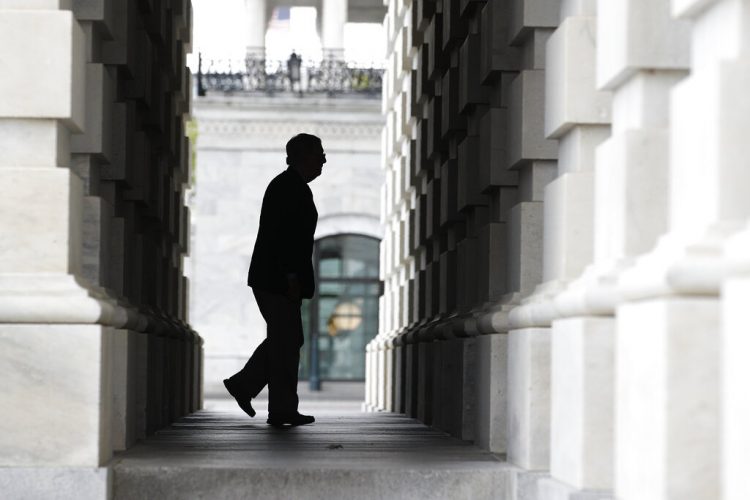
(220, 453)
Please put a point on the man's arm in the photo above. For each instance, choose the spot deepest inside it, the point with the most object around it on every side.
(287, 228)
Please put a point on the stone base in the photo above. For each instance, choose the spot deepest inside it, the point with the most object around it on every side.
(56, 396)
(53, 483)
(529, 398)
(582, 385)
(370, 408)
(667, 399)
(548, 488)
(492, 393)
(525, 484)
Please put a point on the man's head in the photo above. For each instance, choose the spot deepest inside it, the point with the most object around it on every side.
(304, 153)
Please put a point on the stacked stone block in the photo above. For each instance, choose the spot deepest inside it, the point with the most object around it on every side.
(96, 348)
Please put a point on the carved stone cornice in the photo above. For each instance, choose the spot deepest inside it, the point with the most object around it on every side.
(266, 129)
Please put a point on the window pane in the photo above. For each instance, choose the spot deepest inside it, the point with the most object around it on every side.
(330, 268)
(360, 256)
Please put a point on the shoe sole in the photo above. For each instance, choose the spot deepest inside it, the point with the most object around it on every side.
(287, 425)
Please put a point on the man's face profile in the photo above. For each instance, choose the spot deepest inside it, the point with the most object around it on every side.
(312, 162)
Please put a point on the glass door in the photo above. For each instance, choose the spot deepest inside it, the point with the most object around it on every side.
(343, 316)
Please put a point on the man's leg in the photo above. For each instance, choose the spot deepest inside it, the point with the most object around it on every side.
(246, 384)
(285, 338)
(254, 376)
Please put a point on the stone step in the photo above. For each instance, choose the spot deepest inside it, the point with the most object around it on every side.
(216, 454)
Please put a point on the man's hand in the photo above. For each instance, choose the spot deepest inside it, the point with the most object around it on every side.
(294, 289)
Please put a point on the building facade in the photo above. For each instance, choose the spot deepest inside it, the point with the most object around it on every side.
(565, 257)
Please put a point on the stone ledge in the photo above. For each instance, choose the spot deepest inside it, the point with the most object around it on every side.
(53, 483)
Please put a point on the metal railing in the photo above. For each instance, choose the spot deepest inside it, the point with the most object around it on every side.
(330, 76)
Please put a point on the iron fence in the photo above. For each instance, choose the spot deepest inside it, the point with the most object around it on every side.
(330, 76)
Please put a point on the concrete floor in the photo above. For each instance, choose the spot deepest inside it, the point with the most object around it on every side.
(220, 453)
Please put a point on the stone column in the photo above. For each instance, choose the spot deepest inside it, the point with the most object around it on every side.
(53, 356)
(334, 18)
(577, 115)
(394, 255)
(85, 290)
(519, 164)
(672, 293)
(256, 22)
(734, 348)
(641, 54)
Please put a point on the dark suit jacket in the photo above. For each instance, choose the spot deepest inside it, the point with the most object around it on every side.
(285, 237)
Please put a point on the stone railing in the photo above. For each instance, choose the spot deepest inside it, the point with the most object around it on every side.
(330, 76)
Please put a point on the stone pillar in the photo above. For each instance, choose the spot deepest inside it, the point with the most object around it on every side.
(256, 23)
(334, 17)
(577, 115)
(84, 288)
(395, 258)
(671, 294)
(53, 356)
(42, 203)
(734, 346)
(641, 53)
(516, 164)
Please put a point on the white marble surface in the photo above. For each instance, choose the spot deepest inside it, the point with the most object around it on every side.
(491, 392)
(56, 483)
(582, 401)
(40, 210)
(568, 225)
(56, 395)
(637, 34)
(571, 94)
(529, 398)
(57, 49)
(735, 404)
(667, 399)
(28, 142)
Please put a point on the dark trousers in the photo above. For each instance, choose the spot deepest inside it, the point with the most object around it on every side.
(276, 360)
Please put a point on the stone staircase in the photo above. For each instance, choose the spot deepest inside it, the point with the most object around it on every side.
(223, 454)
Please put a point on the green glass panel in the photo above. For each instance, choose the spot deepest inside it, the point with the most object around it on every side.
(330, 268)
(345, 312)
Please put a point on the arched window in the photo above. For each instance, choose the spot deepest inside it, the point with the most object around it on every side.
(343, 316)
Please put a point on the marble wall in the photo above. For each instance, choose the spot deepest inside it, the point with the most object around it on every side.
(240, 148)
(95, 347)
(567, 207)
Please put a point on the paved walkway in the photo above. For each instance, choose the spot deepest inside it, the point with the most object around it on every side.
(220, 453)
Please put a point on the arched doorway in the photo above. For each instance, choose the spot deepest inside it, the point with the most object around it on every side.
(343, 316)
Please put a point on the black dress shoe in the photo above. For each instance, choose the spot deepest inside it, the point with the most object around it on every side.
(290, 420)
(242, 401)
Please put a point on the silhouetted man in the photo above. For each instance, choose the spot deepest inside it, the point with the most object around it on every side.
(281, 275)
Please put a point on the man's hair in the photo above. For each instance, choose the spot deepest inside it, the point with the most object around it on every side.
(299, 145)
